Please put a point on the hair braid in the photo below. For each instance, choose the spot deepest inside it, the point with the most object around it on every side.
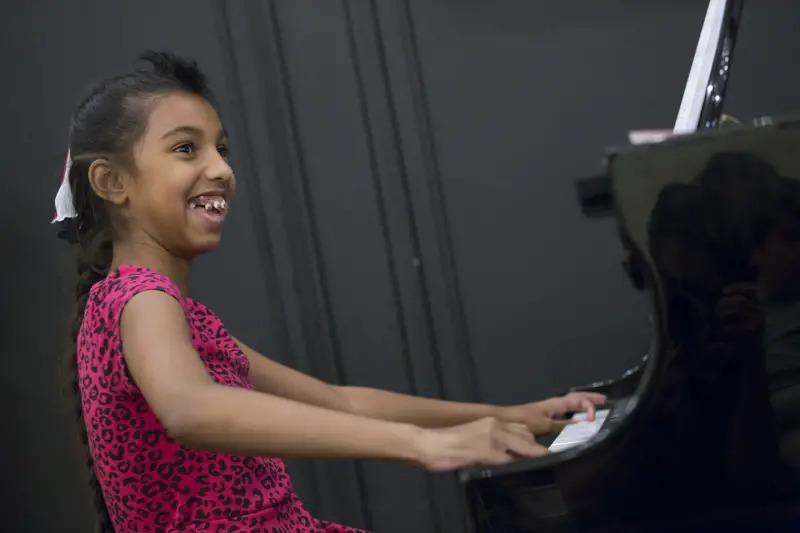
(94, 260)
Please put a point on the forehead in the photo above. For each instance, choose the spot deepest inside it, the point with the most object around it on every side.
(182, 109)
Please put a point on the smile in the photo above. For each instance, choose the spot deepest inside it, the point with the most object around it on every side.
(213, 204)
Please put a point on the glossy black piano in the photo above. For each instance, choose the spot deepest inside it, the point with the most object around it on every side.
(704, 435)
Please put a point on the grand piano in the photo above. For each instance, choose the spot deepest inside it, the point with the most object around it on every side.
(704, 434)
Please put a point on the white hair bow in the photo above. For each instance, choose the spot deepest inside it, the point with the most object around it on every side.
(65, 208)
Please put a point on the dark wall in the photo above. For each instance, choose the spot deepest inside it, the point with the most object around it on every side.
(406, 215)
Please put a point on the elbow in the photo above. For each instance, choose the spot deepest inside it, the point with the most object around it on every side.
(186, 420)
(183, 426)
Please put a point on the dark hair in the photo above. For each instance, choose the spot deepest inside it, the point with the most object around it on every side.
(107, 124)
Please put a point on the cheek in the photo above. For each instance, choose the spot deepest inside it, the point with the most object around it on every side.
(171, 191)
(166, 205)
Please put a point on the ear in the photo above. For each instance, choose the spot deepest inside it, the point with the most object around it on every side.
(107, 182)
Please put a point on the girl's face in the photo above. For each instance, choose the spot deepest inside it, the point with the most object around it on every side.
(183, 186)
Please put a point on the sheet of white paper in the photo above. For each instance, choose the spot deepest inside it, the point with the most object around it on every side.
(579, 432)
(648, 136)
(694, 93)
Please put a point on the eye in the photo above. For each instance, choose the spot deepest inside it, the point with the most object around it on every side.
(223, 150)
(186, 148)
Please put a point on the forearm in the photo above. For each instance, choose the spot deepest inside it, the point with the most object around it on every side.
(424, 412)
(245, 422)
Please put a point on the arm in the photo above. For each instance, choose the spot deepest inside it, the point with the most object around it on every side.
(201, 413)
(271, 377)
(425, 412)
(542, 417)
(274, 378)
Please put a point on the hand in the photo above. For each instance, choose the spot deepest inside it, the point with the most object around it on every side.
(485, 442)
(734, 334)
(546, 417)
(738, 319)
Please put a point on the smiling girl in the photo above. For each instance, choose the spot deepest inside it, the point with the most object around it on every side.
(183, 422)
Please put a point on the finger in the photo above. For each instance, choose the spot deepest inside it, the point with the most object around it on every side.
(588, 407)
(537, 451)
(497, 458)
(734, 305)
(728, 304)
(558, 424)
(521, 430)
(739, 324)
(541, 451)
(742, 320)
(742, 332)
(580, 402)
(745, 289)
(595, 397)
(516, 445)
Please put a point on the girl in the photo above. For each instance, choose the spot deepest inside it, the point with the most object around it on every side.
(182, 421)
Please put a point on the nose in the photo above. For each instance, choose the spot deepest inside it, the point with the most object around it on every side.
(219, 169)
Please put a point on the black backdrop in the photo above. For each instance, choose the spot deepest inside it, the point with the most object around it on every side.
(406, 218)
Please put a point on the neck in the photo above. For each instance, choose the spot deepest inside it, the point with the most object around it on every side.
(154, 257)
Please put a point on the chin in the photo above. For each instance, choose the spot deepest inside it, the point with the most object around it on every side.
(204, 246)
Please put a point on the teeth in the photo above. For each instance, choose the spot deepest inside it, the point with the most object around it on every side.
(218, 204)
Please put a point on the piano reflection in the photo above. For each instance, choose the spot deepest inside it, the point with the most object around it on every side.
(704, 435)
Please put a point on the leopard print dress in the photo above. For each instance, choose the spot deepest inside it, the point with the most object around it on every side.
(151, 482)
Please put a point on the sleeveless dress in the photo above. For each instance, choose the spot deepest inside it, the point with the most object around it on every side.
(152, 483)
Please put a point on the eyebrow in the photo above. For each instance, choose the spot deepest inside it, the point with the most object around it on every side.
(193, 130)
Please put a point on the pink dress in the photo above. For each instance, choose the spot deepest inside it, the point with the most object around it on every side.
(152, 483)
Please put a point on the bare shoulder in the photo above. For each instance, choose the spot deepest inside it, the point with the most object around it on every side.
(152, 311)
(157, 348)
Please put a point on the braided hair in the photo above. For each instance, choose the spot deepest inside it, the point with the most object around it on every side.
(107, 124)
